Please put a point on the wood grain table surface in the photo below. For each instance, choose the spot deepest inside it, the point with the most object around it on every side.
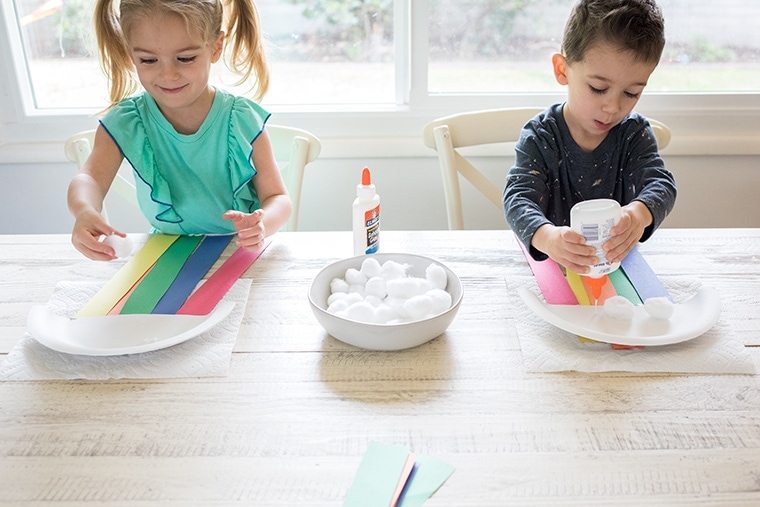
(289, 424)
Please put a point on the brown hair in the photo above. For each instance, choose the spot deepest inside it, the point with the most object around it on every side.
(239, 19)
(631, 25)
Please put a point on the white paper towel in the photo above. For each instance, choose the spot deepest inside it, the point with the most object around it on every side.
(546, 348)
(206, 355)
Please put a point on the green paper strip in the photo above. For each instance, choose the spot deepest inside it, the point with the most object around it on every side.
(624, 287)
(124, 279)
(155, 284)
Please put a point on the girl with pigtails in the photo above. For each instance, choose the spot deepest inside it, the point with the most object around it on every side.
(201, 156)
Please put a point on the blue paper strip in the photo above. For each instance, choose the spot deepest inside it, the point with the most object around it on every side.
(642, 277)
(202, 259)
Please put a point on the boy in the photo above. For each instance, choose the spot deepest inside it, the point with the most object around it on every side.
(593, 146)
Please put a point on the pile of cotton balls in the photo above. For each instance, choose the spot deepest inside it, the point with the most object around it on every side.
(386, 294)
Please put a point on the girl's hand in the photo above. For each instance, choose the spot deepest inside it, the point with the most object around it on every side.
(89, 227)
(250, 228)
(634, 219)
(566, 247)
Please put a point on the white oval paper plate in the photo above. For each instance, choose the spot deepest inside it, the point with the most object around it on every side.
(115, 335)
(689, 320)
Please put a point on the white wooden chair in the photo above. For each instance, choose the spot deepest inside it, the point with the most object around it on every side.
(293, 149)
(448, 134)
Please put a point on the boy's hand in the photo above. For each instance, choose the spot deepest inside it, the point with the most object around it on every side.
(634, 218)
(89, 227)
(566, 247)
(250, 228)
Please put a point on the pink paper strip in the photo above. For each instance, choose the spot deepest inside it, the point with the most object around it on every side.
(551, 280)
(208, 295)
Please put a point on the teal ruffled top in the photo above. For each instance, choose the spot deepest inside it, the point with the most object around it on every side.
(186, 182)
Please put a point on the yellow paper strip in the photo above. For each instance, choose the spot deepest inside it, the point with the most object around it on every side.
(127, 276)
(576, 284)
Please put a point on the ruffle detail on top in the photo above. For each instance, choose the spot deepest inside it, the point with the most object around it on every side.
(246, 123)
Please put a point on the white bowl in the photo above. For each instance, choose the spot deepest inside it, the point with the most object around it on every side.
(382, 336)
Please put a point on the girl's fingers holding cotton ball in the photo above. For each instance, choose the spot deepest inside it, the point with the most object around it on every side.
(122, 245)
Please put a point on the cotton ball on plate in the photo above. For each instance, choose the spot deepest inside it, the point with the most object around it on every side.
(436, 275)
(659, 308)
(122, 246)
(618, 307)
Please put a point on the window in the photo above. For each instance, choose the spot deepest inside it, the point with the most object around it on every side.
(367, 73)
(358, 54)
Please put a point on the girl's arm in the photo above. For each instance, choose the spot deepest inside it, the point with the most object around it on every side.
(275, 203)
(86, 193)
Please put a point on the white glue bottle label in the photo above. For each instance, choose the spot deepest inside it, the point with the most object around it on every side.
(366, 217)
(594, 219)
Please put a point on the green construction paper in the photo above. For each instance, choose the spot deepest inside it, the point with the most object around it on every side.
(624, 287)
(428, 476)
(157, 281)
(377, 477)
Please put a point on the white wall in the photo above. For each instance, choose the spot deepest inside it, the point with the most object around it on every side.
(714, 191)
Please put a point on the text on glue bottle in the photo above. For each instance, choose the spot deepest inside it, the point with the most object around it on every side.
(366, 216)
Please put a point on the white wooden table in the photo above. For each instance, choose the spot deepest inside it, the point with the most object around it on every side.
(289, 424)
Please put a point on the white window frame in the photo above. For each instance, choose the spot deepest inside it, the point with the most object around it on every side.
(703, 123)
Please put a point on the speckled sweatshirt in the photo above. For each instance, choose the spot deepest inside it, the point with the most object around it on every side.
(552, 173)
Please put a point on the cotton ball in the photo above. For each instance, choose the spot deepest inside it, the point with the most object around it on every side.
(373, 300)
(336, 306)
(370, 267)
(436, 275)
(659, 308)
(402, 288)
(391, 270)
(355, 277)
(357, 289)
(335, 297)
(440, 299)
(353, 297)
(618, 307)
(384, 314)
(361, 312)
(418, 307)
(397, 305)
(122, 246)
(376, 287)
(338, 285)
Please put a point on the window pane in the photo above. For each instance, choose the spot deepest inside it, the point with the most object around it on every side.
(320, 52)
(494, 46)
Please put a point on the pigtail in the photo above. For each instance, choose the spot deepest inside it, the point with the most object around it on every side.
(115, 57)
(247, 56)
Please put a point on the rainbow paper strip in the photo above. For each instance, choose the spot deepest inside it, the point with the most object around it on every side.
(642, 277)
(124, 279)
(152, 288)
(550, 279)
(205, 299)
(199, 263)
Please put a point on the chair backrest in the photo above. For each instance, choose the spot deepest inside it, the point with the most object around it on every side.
(293, 149)
(446, 135)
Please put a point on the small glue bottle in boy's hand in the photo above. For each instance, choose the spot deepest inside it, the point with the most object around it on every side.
(594, 219)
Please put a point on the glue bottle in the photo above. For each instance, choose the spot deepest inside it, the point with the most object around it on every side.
(366, 216)
(594, 219)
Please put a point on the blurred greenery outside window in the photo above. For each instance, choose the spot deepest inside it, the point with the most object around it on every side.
(346, 53)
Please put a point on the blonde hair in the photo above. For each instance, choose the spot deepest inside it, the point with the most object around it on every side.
(239, 19)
